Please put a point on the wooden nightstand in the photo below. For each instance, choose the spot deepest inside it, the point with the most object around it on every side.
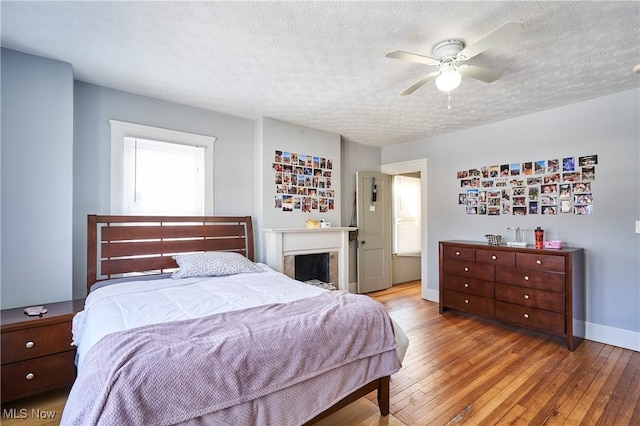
(37, 355)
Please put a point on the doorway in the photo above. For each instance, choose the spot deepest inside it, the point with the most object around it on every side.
(412, 167)
(406, 232)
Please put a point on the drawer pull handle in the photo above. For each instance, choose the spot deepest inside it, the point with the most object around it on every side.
(466, 300)
(29, 376)
(29, 345)
(539, 262)
(526, 296)
(526, 315)
(494, 257)
(466, 269)
(526, 277)
(457, 253)
(466, 285)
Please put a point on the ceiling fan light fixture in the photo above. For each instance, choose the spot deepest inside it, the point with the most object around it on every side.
(448, 80)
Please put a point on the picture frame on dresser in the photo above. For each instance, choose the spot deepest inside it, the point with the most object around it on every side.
(539, 289)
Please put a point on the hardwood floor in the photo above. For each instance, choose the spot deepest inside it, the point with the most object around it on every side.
(460, 369)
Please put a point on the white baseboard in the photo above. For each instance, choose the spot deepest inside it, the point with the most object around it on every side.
(620, 337)
(627, 339)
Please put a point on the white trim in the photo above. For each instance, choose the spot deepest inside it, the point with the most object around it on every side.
(620, 337)
(430, 294)
(122, 129)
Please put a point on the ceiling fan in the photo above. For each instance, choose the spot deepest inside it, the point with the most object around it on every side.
(450, 54)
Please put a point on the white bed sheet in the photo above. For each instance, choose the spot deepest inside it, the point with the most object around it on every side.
(127, 305)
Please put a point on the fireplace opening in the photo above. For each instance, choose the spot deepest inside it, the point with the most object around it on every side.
(312, 267)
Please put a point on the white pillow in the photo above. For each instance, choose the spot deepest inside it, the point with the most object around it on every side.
(213, 264)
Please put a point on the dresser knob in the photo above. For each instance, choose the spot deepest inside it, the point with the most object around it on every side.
(494, 257)
(29, 345)
(526, 277)
(466, 300)
(526, 315)
(526, 296)
(466, 269)
(466, 285)
(30, 376)
(457, 253)
(539, 262)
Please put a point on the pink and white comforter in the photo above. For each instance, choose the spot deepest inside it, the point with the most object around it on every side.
(281, 362)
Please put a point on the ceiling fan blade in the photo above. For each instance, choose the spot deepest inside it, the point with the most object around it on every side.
(412, 57)
(497, 37)
(479, 73)
(415, 86)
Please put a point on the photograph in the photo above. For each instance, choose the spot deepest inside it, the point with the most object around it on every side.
(504, 170)
(565, 206)
(571, 177)
(588, 160)
(463, 174)
(519, 211)
(582, 210)
(565, 191)
(533, 207)
(553, 166)
(494, 171)
(548, 189)
(568, 164)
(527, 168)
(514, 170)
(549, 210)
(588, 173)
(539, 167)
(493, 211)
(581, 187)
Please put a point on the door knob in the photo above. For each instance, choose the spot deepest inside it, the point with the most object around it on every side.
(363, 242)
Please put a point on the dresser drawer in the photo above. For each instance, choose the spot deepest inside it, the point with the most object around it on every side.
(481, 271)
(459, 253)
(48, 372)
(468, 285)
(529, 278)
(540, 262)
(530, 297)
(468, 302)
(496, 257)
(550, 322)
(36, 342)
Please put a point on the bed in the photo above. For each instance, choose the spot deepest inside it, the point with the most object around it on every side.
(182, 327)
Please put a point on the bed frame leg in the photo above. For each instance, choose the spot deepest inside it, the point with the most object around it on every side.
(383, 395)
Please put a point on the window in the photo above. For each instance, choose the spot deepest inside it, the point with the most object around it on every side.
(160, 172)
(406, 215)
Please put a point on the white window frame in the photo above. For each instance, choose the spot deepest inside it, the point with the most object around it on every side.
(122, 129)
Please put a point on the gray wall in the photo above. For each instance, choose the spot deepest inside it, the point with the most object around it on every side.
(606, 126)
(355, 158)
(37, 179)
(94, 106)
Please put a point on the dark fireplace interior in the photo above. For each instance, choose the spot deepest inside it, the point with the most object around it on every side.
(312, 266)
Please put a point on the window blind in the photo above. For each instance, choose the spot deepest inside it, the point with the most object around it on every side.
(406, 214)
(163, 178)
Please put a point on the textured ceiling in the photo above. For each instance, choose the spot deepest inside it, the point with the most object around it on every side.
(323, 65)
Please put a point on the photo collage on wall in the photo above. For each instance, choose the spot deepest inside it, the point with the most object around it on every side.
(548, 187)
(303, 183)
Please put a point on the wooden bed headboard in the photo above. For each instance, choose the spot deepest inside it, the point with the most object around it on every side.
(124, 244)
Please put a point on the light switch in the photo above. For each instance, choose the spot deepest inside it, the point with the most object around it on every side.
(372, 208)
(637, 226)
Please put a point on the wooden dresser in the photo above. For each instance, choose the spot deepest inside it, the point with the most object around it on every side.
(539, 289)
(37, 355)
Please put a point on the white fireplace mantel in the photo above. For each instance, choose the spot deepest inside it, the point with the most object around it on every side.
(281, 242)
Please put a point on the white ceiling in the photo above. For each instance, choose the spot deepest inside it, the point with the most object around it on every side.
(323, 65)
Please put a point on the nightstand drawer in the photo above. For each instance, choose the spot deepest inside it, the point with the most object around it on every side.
(37, 375)
(36, 342)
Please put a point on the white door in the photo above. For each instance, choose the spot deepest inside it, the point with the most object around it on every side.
(374, 231)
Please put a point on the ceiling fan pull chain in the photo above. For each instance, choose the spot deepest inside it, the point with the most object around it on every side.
(449, 104)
